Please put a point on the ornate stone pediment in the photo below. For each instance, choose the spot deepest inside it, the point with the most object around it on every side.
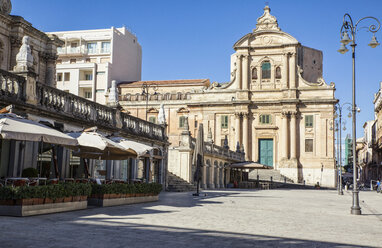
(267, 21)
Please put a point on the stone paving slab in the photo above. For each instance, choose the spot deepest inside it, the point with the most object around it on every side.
(222, 218)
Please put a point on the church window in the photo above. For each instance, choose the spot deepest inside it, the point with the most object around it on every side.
(224, 121)
(265, 119)
(182, 121)
(266, 70)
(254, 73)
(278, 72)
(308, 145)
(152, 119)
(309, 121)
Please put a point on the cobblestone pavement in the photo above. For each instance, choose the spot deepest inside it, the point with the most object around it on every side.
(222, 218)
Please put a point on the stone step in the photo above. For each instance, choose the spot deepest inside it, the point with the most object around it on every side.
(177, 184)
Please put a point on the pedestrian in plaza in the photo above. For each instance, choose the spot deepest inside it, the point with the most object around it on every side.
(378, 186)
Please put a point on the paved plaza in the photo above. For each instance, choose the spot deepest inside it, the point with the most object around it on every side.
(222, 218)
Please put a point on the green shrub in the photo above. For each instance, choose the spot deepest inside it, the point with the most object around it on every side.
(116, 188)
(45, 191)
(29, 172)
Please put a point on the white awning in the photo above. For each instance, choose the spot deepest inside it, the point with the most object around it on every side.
(17, 128)
(140, 148)
(249, 165)
(95, 145)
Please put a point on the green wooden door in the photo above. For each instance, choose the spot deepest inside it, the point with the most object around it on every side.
(266, 151)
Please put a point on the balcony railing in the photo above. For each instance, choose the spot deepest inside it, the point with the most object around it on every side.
(12, 87)
(61, 104)
(215, 150)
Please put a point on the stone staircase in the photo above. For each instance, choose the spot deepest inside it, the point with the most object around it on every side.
(265, 175)
(177, 184)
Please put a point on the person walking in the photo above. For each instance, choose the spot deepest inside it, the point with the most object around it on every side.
(378, 186)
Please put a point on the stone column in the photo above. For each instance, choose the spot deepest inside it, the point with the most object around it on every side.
(245, 72)
(211, 184)
(292, 71)
(237, 130)
(293, 135)
(238, 71)
(245, 135)
(284, 144)
(217, 179)
(204, 178)
(285, 71)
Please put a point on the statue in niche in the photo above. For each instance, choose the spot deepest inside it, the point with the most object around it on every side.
(278, 73)
(254, 73)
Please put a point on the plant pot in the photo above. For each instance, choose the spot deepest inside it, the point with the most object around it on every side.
(83, 197)
(139, 195)
(38, 201)
(112, 196)
(48, 201)
(68, 199)
(24, 202)
(59, 200)
(129, 195)
(9, 202)
(118, 195)
(77, 198)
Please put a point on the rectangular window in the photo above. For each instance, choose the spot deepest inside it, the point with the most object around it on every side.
(224, 120)
(88, 94)
(59, 77)
(308, 145)
(88, 76)
(152, 119)
(105, 46)
(309, 121)
(73, 44)
(87, 60)
(265, 119)
(67, 76)
(92, 47)
(182, 121)
(73, 61)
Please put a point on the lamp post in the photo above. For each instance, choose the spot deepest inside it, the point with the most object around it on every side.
(145, 92)
(338, 108)
(346, 29)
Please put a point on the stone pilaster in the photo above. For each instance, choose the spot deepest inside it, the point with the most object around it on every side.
(284, 133)
(245, 135)
(293, 135)
(285, 69)
(237, 128)
(292, 71)
(238, 71)
(245, 72)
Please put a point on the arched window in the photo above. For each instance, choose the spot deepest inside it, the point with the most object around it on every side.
(254, 73)
(266, 70)
(278, 72)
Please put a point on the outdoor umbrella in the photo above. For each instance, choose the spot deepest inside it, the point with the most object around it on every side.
(96, 146)
(17, 128)
(198, 157)
(139, 148)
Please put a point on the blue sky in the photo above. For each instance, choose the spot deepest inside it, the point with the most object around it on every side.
(186, 39)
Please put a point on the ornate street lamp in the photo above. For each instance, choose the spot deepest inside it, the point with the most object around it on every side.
(338, 108)
(145, 92)
(349, 29)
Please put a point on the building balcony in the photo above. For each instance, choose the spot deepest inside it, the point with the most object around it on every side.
(85, 83)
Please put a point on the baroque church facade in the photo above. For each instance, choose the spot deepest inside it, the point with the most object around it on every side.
(276, 108)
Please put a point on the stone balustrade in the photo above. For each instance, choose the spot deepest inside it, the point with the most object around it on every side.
(219, 151)
(12, 87)
(155, 97)
(55, 102)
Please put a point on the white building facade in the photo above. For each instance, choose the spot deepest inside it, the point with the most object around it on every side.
(90, 59)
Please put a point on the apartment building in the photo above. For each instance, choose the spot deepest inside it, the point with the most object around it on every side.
(90, 59)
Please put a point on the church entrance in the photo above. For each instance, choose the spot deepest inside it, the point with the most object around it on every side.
(266, 151)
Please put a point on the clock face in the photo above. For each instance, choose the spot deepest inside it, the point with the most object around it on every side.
(5, 6)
